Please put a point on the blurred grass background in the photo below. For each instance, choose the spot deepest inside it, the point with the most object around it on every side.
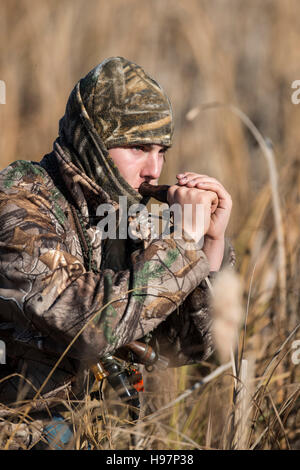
(244, 53)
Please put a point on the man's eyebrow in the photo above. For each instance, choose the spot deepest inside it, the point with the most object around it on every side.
(149, 146)
(152, 146)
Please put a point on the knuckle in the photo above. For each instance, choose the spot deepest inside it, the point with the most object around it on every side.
(172, 189)
(207, 195)
(179, 191)
(202, 198)
(176, 193)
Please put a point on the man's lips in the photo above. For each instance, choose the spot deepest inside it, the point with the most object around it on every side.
(138, 187)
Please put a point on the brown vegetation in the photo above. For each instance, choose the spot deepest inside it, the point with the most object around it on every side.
(241, 53)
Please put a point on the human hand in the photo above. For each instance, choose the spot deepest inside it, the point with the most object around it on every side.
(219, 217)
(189, 199)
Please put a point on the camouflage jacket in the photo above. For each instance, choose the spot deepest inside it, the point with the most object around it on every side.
(51, 300)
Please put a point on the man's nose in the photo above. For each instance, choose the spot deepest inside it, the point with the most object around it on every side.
(152, 167)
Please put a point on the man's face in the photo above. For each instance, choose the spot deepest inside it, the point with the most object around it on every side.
(139, 163)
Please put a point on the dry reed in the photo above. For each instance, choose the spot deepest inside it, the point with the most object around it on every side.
(201, 51)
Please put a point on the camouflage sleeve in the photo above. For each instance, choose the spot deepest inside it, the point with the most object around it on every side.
(185, 336)
(45, 288)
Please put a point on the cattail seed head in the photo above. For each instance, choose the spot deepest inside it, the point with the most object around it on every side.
(227, 311)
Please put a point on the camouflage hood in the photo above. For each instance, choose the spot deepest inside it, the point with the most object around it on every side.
(116, 104)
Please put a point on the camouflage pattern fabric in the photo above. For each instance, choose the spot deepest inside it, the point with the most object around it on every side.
(126, 105)
(48, 297)
(45, 289)
(116, 104)
(25, 436)
(51, 299)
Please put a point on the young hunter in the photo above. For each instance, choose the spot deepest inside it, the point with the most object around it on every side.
(58, 271)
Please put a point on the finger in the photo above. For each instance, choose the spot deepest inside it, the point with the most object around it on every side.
(190, 174)
(223, 195)
(170, 194)
(183, 178)
(199, 178)
(214, 200)
(205, 183)
(173, 190)
(194, 182)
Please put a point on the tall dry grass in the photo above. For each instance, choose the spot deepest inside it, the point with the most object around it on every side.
(244, 54)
